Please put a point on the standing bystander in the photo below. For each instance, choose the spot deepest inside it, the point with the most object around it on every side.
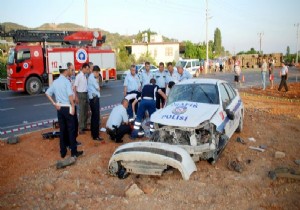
(81, 97)
(284, 76)
(264, 68)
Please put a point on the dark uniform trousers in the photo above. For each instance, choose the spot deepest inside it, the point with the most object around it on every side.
(118, 132)
(159, 98)
(75, 118)
(283, 83)
(95, 118)
(67, 131)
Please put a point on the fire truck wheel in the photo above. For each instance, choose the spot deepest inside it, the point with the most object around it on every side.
(33, 86)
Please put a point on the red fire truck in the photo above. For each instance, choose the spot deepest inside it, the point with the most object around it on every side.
(34, 62)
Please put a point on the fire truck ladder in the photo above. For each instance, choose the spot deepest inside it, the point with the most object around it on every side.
(66, 37)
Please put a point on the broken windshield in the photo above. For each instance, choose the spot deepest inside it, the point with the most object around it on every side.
(200, 93)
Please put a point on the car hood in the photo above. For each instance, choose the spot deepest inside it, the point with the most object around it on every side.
(184, 114)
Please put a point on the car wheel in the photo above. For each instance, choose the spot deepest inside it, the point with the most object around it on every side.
(33, 86)
(240, 127)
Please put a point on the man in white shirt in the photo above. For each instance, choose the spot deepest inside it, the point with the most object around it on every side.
(117, 124)
(81, 97)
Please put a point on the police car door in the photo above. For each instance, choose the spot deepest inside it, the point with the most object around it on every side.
(227, 104)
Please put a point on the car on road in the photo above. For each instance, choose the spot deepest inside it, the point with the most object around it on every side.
(196, 123)
(139, 69)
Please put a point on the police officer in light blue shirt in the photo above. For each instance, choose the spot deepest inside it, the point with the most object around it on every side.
(117, 124)
(146, 75)
(64, 104)
(94, 96)
(131, 85)
(131, 82)
(161, 81)
(183, 74)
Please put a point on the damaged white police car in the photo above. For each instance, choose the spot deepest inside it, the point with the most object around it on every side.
(196, 124)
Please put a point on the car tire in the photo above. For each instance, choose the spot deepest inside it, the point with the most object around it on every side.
(33, 86)
(240, 127)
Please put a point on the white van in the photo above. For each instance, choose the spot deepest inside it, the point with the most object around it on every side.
(191, 65)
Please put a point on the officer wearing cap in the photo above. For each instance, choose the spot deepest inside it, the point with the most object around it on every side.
(64, 105)
(161, 82)
(148, 103)
(94, 97)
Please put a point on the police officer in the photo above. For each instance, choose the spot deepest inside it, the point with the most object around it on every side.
(117, 124)
(172, 76)
(94, 99)
(183, 74)
(146, 75)
(148, 103)
(64, 104)
(161, 82)
(131, 85)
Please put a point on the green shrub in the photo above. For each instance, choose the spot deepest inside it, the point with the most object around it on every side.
(3, 61)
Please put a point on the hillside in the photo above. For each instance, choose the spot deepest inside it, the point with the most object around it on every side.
(112, 39)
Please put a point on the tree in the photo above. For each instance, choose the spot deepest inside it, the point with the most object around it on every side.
(146, 57)
(217, 45)
(190, 50)
(288, 51)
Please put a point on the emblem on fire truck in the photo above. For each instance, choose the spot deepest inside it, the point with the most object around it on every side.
(81, 56)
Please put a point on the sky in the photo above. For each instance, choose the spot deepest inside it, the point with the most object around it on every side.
(240, 21)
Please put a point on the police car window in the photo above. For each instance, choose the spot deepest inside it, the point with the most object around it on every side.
(232, 89)
(197, 63)
(224, 95)
(200, 93)
(229, 91)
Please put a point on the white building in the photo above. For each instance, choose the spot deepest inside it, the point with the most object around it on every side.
(159, 50)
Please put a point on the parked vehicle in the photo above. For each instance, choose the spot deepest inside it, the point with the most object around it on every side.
(31, 67)
(196, 124)
(191, 65)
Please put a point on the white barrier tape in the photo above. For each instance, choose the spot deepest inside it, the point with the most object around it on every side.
(37, 124)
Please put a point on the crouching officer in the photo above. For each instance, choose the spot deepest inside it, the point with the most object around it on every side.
(148, 103)
(62, 90)
(117, 124)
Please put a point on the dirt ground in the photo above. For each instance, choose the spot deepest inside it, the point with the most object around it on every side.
(29, 179)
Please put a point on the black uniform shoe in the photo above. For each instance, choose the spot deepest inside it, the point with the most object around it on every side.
(77, 154)
(63, 154)
(98, 139)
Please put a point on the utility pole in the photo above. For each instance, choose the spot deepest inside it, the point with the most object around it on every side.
(86, 14)
(260, 38)
(297, 25)
(206, 64)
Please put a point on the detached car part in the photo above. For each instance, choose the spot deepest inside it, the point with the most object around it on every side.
(151, 158)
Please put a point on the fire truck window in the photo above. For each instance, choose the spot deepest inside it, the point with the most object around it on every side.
(23, 55)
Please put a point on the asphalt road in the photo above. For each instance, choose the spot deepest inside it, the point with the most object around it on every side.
(19, 110)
